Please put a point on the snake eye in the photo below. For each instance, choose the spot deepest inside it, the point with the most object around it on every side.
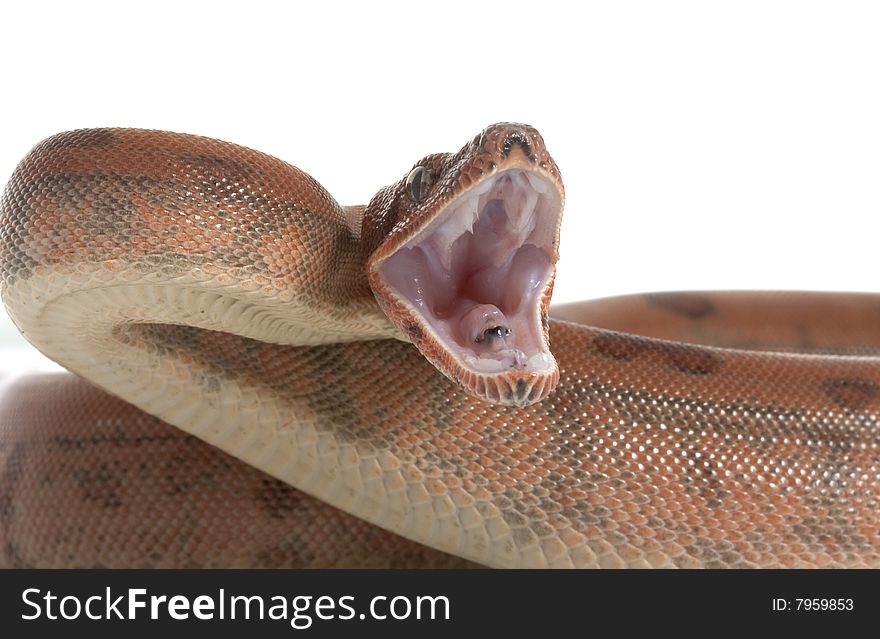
(417, 183)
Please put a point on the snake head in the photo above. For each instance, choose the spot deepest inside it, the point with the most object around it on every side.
(463, 255)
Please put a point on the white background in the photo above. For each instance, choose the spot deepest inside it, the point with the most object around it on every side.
(703, 145)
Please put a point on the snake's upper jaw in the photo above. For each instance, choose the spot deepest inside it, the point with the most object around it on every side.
(471, 287)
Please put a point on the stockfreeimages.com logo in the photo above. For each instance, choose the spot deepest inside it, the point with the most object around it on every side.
(300, 611)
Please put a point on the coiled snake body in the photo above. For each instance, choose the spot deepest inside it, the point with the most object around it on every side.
(226, 293)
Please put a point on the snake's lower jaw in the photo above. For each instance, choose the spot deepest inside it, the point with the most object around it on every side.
(507, 382)
(514, 388)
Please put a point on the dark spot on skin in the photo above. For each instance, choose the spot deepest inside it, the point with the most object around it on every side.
(618, 346)
(279, 500)
(852, 393)
(13, 469)
(687, 304)
(690, 359)
(414, 332)
(102, 485)
(89, 139)
(686, 359)
(115, 440)
(520, 387)
(533, 392)
(220, 169)
(292, 552)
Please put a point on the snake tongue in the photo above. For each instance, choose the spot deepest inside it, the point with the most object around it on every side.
(476, 278)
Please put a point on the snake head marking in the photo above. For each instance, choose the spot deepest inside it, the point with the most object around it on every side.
(464, 248)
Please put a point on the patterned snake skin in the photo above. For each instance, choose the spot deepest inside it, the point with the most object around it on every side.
(225, 293)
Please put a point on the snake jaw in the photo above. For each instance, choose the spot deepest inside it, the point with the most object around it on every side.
(471, 287)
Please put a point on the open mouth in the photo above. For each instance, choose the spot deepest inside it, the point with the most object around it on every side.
(475, 273)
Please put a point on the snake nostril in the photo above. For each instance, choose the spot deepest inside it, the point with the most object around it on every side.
(518, 138)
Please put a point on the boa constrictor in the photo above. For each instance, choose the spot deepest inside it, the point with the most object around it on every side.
(390, 364)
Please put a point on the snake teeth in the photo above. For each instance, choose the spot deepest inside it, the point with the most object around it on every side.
(460, 222)
(504, 209)
(537, 183)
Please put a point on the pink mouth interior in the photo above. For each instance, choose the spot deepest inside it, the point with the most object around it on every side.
(476, 272)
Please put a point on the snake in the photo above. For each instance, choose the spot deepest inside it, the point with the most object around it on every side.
(260, 376)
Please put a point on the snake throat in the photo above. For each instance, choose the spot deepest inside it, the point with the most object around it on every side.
(476, 274)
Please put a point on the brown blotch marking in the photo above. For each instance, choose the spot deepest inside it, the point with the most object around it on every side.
(14, 557)
(415, 334)
(533, 392)
(690, 359)
(716, 553)
(687, 304)
(233, 172)
(101, 484)
(90, 139)
(291, 553)
(13, 469)
(278, 500)
(850, 392)
(618, 346)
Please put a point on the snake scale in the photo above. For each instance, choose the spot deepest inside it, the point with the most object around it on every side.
(376, 384)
